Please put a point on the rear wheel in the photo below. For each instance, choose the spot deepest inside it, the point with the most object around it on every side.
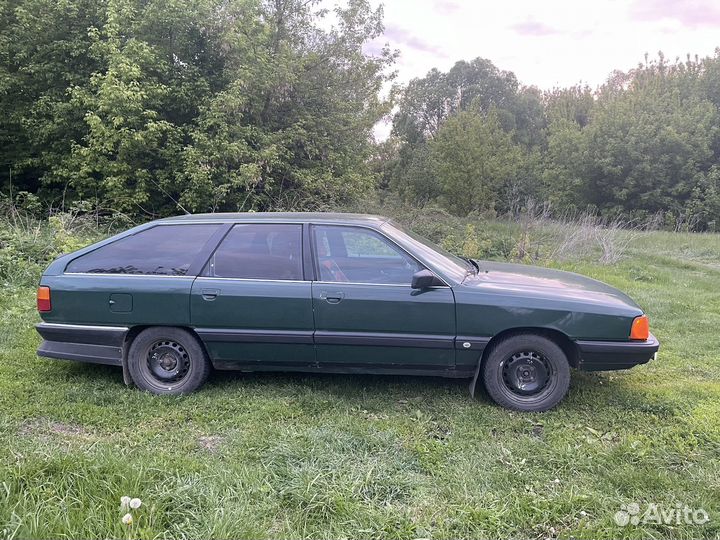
(526, 372)
(167, 360)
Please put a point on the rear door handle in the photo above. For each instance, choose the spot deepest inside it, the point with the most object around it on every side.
(210, 294)
(332, 297)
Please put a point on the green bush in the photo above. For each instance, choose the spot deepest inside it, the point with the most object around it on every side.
(29, 244)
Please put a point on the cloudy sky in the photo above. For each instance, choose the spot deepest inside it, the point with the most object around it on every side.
(547, 43)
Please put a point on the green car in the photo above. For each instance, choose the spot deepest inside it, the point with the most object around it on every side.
(336, 293)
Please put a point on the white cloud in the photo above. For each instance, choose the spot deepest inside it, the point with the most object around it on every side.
(548, 43)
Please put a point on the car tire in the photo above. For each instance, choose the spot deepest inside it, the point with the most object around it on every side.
(167, 360)
(526, 372)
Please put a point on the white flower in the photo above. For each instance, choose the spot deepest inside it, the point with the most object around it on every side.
(127, 520)
(135, 503)
(124, 502)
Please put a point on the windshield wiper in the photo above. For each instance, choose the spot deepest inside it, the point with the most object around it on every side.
(475, 265)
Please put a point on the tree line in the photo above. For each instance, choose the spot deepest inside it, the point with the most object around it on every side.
(645, 145)
(151, 107)
(147, 107)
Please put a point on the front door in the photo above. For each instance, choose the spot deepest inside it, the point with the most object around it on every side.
(251, 305)
(366, 314)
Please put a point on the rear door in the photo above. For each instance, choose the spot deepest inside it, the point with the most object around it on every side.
(251, 304)
(366, 314)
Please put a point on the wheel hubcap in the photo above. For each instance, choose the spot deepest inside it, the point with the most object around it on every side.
(526, 373)
(167, 361)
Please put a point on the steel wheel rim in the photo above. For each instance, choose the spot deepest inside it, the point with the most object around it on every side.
(167, 362)
(527, 375)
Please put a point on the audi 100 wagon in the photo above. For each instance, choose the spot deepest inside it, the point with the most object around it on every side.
(170, 300)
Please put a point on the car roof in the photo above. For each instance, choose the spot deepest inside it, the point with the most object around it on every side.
(300, 217)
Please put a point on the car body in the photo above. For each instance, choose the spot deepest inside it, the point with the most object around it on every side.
(341, 293)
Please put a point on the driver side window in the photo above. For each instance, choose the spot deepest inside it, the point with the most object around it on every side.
(358, 255)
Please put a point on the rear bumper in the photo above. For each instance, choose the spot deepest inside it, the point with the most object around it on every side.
(611, 355)
(82, 343)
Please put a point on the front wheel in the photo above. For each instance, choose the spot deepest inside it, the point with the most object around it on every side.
(526, 373)
(167, 360)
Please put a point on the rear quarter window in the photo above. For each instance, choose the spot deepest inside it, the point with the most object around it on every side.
(166, 250)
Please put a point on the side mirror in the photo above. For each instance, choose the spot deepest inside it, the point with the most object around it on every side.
(423, 279)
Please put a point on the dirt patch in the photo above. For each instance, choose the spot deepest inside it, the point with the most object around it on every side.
(211, 443)
(44, 427)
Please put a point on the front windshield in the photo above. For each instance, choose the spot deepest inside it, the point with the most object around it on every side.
(439, 258)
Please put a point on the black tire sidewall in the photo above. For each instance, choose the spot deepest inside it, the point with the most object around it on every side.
(504, 349)
(137, 355)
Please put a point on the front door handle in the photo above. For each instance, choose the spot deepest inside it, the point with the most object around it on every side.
(332, 297)
(210, 294)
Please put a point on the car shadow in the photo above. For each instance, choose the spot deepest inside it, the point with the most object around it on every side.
(282, 381)
(588, 390)
(360, 382)
(93, 373)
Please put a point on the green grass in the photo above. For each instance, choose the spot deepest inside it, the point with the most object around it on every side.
(326, 456)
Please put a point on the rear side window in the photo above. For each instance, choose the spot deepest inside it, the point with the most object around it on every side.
(165, 250)
(265, 251)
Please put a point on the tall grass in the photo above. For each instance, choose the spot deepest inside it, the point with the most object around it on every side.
(29, 243)
(532, 234)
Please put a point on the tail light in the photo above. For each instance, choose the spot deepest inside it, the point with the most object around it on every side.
(640, 329)
(43, 299)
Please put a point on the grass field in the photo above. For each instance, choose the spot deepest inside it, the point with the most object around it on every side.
(308, 456)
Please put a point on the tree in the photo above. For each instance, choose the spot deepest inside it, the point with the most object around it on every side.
(572, 104)
(648, 145)
(43, 54)
(565, 162)
(293, 128)
(153, 106)
(473, 159)
(429, 102)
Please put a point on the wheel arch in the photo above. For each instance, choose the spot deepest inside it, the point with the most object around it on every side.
(562, 340)
(568, 346)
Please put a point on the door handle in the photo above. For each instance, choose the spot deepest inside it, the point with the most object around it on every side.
(210, 294)
(332, 297)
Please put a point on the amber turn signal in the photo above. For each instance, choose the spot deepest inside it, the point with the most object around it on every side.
(43, 299)
(640, 328)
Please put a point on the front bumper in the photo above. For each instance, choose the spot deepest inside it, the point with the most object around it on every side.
(82, 343)
(611, 355)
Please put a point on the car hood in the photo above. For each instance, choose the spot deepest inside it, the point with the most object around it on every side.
(525, 280)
